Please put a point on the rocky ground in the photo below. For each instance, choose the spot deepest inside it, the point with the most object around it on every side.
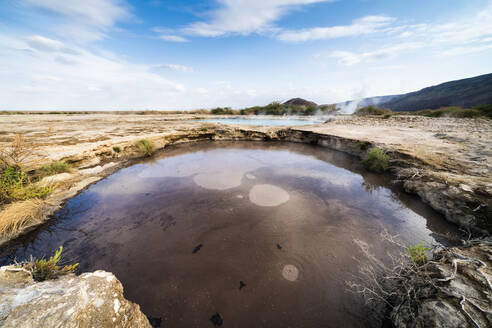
(447, 162)
(452, 290)
(90, 300)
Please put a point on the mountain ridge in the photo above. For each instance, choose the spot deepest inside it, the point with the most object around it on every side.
(467, 92)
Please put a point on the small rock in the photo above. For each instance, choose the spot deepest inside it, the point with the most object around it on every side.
(242, 284)
(217, 319)
(197, 248)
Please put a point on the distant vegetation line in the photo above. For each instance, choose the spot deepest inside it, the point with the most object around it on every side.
(458, 112)
(279, 109)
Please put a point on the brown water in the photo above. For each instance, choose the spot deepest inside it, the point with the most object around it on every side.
(265, 234)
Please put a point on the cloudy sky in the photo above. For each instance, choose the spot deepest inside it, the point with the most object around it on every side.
(176, 54)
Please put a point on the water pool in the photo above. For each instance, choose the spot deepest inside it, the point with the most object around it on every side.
(262, 121)
(265, 234)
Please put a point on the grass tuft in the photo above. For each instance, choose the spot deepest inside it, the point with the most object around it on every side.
(54, 168)
(377, 160)
(417, 253)
(145, 146)
(49, 269)
(117, 149)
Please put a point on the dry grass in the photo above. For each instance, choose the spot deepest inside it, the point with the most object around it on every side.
(16, 216)
(16, 153)
(410, 278)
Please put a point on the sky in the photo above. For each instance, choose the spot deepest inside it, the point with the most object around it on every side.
(189, 54)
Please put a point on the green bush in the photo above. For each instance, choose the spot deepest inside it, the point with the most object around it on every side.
(485, 110)
(372, 110)
(116, 149)
(458, 112)
(15, 184)
(145, 146)
(223, 111)
(279, 109)
(49, 269)
(417, 253)
(54, 168)
(377, 160)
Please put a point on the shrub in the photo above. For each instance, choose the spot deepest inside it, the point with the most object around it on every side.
(54, 168)
(16, 185)
(485, 110)
(417, 253)
(377, 160)
(372, 110)
(145, 146)
(222, 111)
(49, 269)
(14, 154)
(386, 116)
(116, 149)
(456, 112)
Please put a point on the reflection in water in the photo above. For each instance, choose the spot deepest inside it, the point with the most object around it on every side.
(268, 195)
(183, 230)
(290, 272)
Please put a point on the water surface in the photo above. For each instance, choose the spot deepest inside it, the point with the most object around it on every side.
(262, 121)
(264, 234)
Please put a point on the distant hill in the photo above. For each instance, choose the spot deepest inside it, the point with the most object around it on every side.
(462, 93)
(300, 102)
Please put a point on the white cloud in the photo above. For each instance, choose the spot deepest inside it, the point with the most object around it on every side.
(468, 35)
(176, 67)
(465, 50)
(474, 29)
(202, 91)
(85, 20)
(244, 16)
(365, 25)
(41, 43)
(172, 38)
(84, 80)
(349, 58)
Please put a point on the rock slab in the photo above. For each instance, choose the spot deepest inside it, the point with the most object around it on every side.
(90, 300)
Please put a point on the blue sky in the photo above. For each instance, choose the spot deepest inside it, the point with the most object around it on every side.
(169, 54)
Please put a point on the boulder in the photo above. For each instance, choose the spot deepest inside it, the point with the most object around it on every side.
(90, 300)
